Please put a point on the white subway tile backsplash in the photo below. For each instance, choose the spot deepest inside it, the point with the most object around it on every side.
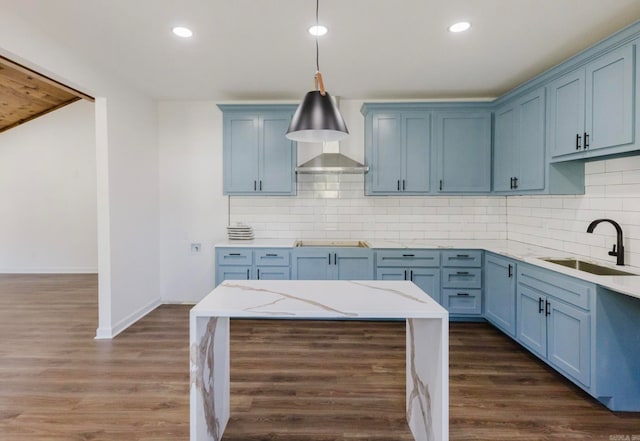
(621, 164)
(612, 191)
(334, 206)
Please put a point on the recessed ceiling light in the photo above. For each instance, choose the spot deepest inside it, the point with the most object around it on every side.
(460, 26)
(183, 32)
(318, 31)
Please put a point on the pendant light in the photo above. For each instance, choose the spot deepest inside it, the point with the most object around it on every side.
(317, 118)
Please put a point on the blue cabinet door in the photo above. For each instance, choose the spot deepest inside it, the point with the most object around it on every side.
(609, 99)
(530, 156)
(428, 280)
(240, 149)
(568, 345)
(276, 156)
(386, 153)
(311, 264)
(332, 264)
(232, 273)
(531, 320)
(257, 157)
(416, 143)
(463, 145)
(356, 264)
(391, 274)
(272, 273)
(504, 148)
(398, 152)
(500, 293)
(566, 114)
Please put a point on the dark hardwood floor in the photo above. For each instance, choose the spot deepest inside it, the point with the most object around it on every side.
(291, 380)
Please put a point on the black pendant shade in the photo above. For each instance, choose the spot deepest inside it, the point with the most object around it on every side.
(317, 119)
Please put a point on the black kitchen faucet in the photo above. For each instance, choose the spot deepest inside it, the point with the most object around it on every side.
(619, 252)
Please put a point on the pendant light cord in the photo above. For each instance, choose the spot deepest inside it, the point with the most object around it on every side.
(317, 47)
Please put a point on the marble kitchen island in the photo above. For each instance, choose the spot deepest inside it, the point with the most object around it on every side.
(427, 350)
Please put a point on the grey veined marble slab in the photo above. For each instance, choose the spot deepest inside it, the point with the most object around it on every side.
(427, 350)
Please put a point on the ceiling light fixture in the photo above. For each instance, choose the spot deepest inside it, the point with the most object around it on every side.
(318, 30)
(317, 118)
(183, 32)
(460, 26)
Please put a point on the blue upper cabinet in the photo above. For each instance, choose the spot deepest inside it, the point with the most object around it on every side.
(609, 99)
(398, 151)
(591, 109)
(519, 144)
(463, 148)
(258, 159)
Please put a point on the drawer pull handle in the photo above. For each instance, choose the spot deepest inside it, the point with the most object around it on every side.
(408, 255)
(271, 255)
(463, 294)
(462, 273)
(234, 254)
(462, 256)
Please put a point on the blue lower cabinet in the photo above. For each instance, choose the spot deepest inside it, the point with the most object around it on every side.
(272, 273)
(462, 301)
(353, 264)
(550, 323)
(427, 279)
(532, 321)
(500, 292)
(311, 263)
(569, 341)
(232, 273)
(245, 263)
(462, 278)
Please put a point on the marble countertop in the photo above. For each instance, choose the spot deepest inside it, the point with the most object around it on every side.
(321, 299)
(532, 254)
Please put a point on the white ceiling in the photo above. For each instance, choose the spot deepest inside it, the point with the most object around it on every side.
(375, 49)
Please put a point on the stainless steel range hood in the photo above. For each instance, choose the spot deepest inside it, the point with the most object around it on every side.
(332, 161)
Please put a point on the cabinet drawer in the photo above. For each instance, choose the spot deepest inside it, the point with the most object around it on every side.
(565, 288)
(462, 258)
(462, 278)
(234, 256)
(462, 301)
(408, 258)
(272, 257)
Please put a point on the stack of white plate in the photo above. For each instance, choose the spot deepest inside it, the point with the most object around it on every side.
(240, 232)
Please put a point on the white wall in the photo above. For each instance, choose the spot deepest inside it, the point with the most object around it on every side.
(48, 219)
(126, 169)
(192, 207)
(612, 190)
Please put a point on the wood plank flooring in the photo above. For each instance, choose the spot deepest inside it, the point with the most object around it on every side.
(291, 380)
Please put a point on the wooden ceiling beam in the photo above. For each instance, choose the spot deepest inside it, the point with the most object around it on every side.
(25, 94)
(43, 78)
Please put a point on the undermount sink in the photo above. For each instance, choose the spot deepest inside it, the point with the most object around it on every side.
(589, 267)
(332, 243)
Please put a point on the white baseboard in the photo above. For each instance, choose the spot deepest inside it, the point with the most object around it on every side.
(108, 333)
(50, 270)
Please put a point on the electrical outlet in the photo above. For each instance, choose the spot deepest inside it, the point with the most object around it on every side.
(196, 248)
